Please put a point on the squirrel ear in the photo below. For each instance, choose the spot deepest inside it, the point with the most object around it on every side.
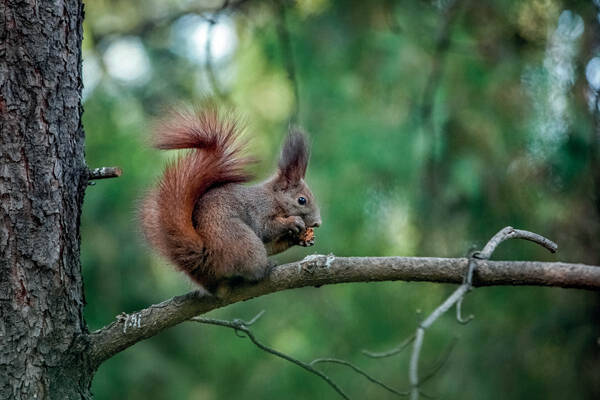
(294, 158)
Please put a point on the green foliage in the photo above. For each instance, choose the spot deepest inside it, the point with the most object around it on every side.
(390, 182)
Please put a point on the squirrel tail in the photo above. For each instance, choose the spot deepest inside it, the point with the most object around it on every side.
(215, 158)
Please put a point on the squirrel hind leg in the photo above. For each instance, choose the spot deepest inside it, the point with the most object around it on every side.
(238, 254)
(223, 287)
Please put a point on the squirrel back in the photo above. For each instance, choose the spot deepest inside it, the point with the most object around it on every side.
(214, 159)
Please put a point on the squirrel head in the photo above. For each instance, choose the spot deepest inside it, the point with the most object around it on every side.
(291, 192)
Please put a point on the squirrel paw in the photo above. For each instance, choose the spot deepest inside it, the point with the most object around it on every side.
(296, 224)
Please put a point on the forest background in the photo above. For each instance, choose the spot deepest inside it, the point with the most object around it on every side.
(433, 125)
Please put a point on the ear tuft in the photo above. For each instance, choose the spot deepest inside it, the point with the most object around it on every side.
(294, 157)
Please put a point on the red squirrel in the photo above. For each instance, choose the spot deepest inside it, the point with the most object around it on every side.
(205, 221)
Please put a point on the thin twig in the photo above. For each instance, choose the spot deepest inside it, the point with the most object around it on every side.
(413, 370)
(240, 326)
(459, 316)
(511, 233)
(468, 281)
(457, 296)
(391, 352)
(252, 321)
(359, 371)
(440, 363)
(104, 173)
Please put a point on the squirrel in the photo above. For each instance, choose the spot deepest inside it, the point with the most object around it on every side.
(203, 218)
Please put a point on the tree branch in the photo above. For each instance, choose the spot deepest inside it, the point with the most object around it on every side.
(104, 173)
(457, 297)
(318, 270)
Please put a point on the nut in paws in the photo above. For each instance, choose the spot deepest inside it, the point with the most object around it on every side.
(307, 238)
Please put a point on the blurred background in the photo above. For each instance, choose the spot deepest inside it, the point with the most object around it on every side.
(433, 124)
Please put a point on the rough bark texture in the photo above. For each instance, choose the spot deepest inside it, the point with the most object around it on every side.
(322, 270)
(42, 181)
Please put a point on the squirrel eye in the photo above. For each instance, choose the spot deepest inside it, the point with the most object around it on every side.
(301, 201)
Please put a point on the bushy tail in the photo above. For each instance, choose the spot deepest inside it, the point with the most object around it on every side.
(215, 158)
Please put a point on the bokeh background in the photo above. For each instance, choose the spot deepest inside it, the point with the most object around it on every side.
(433, 124)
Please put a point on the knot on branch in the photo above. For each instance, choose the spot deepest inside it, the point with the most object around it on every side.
(314, 262)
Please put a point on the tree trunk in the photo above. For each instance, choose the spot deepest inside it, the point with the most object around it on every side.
(42, 182)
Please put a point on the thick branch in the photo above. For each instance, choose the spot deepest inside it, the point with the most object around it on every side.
(322, 270)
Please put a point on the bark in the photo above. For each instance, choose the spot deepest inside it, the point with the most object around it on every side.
(42, 181)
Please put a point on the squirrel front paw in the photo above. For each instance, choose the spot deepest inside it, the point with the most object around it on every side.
(296, 224)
